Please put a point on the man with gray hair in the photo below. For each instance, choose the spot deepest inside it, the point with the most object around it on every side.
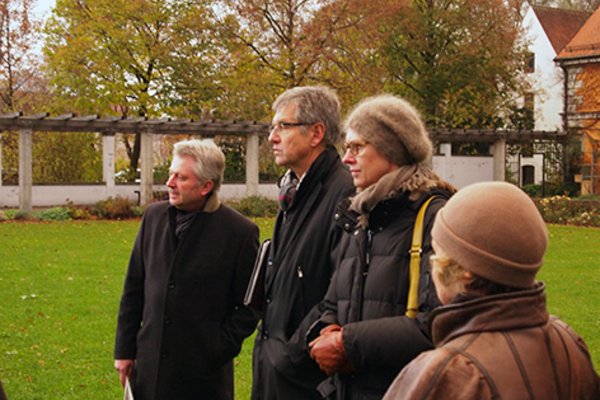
(305, 127)
(181, 320)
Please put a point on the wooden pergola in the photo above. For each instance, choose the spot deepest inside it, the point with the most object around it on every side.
(252, 130)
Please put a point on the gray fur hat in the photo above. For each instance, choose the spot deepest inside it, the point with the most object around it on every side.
(394, 127)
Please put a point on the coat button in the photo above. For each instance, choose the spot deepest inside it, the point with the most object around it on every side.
(268, 300)
(167, 321)
(171, 285)
(164, 355)
(336, 216)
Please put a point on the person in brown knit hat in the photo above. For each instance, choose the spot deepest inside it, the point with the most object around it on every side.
(494, 336)
(371, 327)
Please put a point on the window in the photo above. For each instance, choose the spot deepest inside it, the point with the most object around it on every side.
(530, 63)
(528, 102)
(528, 174)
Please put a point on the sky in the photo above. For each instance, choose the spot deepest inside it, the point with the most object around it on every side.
(42, 8)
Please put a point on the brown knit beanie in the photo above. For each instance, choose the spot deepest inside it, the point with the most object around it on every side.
(494, 230)
(394, 127)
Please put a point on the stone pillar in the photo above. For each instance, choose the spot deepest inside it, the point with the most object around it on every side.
(442, 167)
(108, 162)
(499, 153)
(25, 169)
(1, 169)
(252, 145)
(146, 174)
(446, 149)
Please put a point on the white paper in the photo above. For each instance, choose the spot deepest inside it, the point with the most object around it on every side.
(128, 395)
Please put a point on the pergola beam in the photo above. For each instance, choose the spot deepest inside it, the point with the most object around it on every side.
(252, 130)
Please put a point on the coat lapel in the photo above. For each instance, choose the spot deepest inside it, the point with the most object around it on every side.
(297, 226)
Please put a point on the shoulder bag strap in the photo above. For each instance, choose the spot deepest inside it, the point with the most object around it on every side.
(412, 303)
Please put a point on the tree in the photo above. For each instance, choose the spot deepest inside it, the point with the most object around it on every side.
(73, 157)
(22, 87)
(122, 55)
(278, 44)
(19, 80)
(457, 60)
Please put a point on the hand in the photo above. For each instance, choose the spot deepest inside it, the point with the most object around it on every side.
(329, 328)
(124, 368)
(328, 351)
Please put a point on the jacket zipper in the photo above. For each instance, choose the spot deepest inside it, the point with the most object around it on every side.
(365, 273)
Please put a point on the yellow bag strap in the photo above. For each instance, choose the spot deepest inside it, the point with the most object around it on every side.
(412, 303)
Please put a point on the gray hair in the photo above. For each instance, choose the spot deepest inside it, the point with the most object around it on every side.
(210, 160)
(314, 104)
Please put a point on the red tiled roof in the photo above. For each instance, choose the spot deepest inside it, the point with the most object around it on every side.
(560, 25)
(586, 42)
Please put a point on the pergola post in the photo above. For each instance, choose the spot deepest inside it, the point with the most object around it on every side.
(25, 169)
(1, 169)
(108, 162)
(252, 147)
(499, 153)
(146, 174)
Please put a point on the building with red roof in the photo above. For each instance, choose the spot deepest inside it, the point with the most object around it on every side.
(580, 62)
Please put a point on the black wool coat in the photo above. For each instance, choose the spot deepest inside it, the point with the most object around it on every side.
(181, 315)
(369, 291)
(296, 280)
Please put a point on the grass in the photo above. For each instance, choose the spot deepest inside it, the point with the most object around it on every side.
(60, 285)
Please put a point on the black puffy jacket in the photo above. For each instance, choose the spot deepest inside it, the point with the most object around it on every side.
(368, 294)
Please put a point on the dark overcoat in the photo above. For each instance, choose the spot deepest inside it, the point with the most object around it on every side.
(296, 280)
(369, 291)
(181, 315)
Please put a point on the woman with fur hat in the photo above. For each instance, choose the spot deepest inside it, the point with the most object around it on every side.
(494, 336)
(367, 333)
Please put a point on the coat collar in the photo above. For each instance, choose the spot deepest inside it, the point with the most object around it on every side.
(514, 310)
(212, 203)
(305, 204)
(409, 183)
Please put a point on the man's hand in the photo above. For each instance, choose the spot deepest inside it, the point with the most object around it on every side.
(123, 367)
(328, 351)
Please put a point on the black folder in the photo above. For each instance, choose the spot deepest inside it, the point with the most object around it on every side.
(256, 286)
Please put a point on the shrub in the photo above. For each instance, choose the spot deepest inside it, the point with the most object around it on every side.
(10, 214)
(533, 190)
(53, 214)
(255, 206)
(81, 213)
(551, 189)
(117, 208)
(564, 210)
(23, 216)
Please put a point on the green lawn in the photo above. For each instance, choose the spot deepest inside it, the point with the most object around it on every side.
(60, 285)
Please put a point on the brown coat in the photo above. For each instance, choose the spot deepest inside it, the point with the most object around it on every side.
(500, 347)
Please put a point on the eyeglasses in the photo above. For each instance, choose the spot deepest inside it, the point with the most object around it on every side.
(355, 148)
(282, 125)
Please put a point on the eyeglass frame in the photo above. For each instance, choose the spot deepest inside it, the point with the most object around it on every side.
(283, 125)
(354, 147)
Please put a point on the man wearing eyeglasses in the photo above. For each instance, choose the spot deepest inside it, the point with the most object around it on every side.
(305, 127)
